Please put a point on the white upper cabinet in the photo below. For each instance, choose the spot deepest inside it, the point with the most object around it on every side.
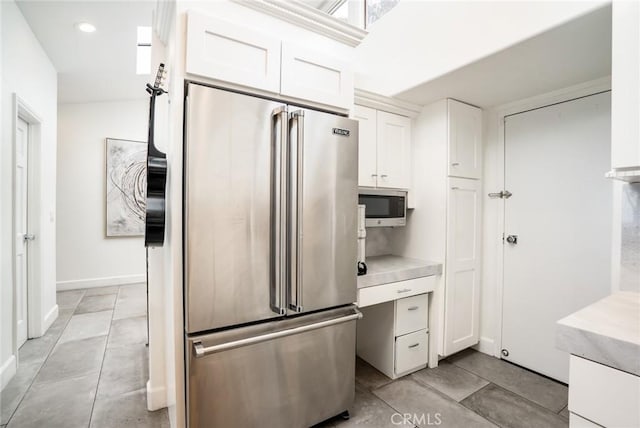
(625, 85)
(465, 140)
(394, 150)
(239, 55)
(312, 75)
(384, 149)
(232, 53)
(462, 272)
(367, 142)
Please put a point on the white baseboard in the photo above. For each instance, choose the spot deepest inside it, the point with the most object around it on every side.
(156, 397)
(486, 346)
(7, 371)
(49, 318)
(99, 282)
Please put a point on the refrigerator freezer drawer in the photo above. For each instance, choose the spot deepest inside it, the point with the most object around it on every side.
(288, 373)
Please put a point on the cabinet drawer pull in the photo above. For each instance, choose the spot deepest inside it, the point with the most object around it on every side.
(374, 175)
(455, 164)
(413, 308)
(384, 175)
(404, 290)
(415, 345)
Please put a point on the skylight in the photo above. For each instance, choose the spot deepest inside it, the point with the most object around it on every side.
(143, 61)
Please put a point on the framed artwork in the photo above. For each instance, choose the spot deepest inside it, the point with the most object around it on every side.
(126, 187)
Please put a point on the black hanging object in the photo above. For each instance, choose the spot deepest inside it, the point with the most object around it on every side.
(156, 174)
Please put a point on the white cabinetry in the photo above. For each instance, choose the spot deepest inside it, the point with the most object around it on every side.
(384, 149)
(465, 140)
(238, 55)
(312, 75)
(394, 150)
(604, 395)
(367, 146)
(449, 229)
(232, 53)
(625, 85)
(462, 276)
(393, 336)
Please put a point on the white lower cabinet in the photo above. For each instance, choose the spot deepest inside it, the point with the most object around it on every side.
(601, 394)
(411, 352)
(393, 336)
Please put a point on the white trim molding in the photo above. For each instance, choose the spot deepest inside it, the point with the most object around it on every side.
(163, 16)
(486, 346)
(100, 282)
(384, 103)
(7, 371)
(156, 397)
(305, 16)
(51, 316)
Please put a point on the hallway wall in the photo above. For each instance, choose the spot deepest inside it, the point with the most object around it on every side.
(86, 257)
(28, 73)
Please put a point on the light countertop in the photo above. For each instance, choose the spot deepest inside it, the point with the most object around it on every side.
(607, 332)
(386, 269)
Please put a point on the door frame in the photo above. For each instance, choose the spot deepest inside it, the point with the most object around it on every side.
(494, 269)
(34, 265)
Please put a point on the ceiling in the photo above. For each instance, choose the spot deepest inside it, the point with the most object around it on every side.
(99, 66)
(575, 52)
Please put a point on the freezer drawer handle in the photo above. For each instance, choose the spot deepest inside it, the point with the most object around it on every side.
(201, 351)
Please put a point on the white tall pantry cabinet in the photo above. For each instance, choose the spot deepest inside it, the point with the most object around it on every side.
(446, 224)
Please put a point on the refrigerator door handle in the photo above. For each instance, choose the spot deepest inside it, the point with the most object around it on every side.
(200, 351)
(296, 169)
(279, 209)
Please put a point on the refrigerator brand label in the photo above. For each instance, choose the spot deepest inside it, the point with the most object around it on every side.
(343, 132)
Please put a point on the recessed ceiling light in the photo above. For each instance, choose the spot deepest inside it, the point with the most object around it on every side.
(85, 27)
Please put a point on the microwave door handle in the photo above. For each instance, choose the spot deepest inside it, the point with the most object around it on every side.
(279, 133)
(296, 171)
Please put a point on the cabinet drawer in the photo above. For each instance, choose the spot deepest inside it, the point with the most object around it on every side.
(411, 351)
(411, 314)
(395, 290)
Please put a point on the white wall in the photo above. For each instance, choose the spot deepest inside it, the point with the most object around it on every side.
(27, 72)
(418, 41)
(86, 257)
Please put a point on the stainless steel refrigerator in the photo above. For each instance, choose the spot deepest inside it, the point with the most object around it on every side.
(270, 232)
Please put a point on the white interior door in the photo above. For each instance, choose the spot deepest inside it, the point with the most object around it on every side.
(555, 160)
(20, 227)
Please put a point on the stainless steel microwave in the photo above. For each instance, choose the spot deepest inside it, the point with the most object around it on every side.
(384, 207)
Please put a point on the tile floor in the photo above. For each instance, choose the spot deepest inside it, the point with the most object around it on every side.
(469, 389)
(89, 370)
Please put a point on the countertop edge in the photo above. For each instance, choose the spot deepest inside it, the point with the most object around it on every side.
(599, 348)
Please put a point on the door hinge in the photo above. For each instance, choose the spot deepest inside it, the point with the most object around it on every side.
(504, 194)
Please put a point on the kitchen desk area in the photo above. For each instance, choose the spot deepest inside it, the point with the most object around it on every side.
(394, 298)
(604, 374)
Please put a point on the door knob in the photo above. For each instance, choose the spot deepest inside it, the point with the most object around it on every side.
(29, 237)
(512, 239)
